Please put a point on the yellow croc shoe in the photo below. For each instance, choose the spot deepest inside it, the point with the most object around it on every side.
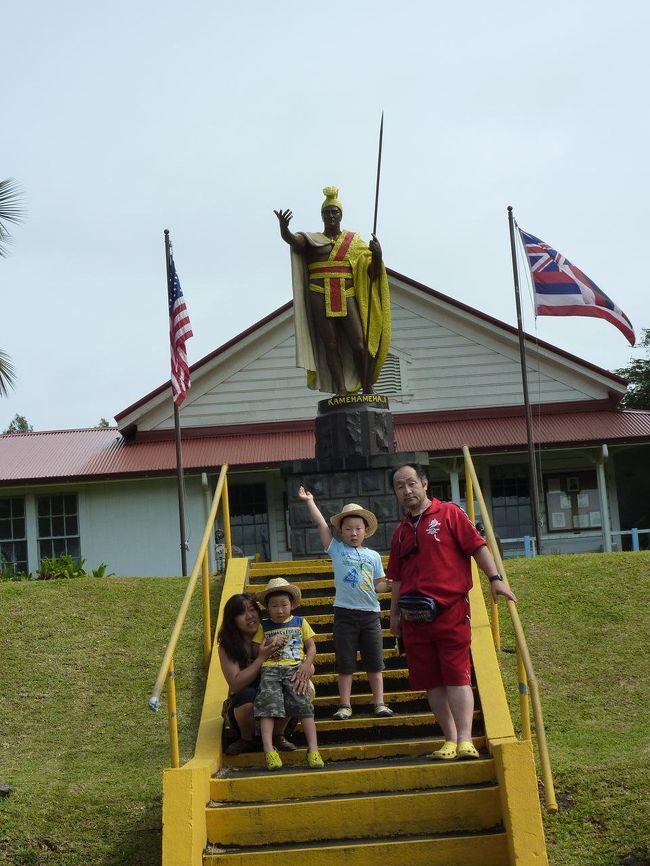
(273, 760)
(314, 761)
(447, 752)
(466, 749)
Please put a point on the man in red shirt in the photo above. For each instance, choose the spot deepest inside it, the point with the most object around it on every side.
(430, 557)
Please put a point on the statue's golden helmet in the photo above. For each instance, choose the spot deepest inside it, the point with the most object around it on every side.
(331, 194)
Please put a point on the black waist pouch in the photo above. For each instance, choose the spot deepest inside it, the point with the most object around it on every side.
(419, 608)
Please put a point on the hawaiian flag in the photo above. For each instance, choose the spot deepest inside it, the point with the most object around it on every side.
(562, 289)
(180, 330)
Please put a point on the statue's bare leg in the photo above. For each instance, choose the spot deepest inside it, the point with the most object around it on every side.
(329, 338)
(354, 333)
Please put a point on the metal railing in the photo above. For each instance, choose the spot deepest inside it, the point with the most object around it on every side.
(201, 567)
(634, 536)
(525, 670)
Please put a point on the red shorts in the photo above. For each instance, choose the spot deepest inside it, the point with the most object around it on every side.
(438, 652)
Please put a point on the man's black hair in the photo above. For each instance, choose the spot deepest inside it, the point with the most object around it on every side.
(421, 471)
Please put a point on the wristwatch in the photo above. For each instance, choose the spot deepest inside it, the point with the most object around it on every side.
(495, 577)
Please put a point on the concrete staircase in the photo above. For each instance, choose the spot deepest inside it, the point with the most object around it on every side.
(380, 798)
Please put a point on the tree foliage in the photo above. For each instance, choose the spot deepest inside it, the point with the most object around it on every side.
(103, 423)
(637, 374)
(7, 374)
(19, 424)
(11, 211)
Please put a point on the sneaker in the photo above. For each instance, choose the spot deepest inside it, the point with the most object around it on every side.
(466, 749)
(447, 752)
(383, 712)
(315, 761)
(240, 746)
(273, 760)
(342, 713)
(283, 745)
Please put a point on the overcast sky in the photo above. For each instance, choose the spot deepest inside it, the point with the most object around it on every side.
(123, 119)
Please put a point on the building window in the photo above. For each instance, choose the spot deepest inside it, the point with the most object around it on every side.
(511, 511)
(58, 526)
(13, 540)
(572, 501)
(249, 519)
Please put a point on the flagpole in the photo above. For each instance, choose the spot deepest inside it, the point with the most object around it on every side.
(532, 467)
(366, 336)
(177, 430)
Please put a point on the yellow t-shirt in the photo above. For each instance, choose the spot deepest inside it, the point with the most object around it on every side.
(296, 629)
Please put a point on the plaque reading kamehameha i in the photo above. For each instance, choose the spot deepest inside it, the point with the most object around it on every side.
(354, 425)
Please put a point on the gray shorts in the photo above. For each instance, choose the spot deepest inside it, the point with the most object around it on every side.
(276, 698)
(358, 630)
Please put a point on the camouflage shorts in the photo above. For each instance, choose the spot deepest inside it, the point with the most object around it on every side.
(276, 697)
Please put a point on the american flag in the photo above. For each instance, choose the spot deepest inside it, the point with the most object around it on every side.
(562, 289)
(180, 330)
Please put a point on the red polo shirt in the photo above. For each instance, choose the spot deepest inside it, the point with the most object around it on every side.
(440, 566)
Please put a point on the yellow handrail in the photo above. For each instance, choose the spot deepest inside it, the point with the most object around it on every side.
(524, 662)
(200, 568)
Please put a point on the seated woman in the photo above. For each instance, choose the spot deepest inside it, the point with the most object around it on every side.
(241, 661)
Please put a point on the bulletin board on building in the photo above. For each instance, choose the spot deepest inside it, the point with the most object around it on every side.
(572, 502)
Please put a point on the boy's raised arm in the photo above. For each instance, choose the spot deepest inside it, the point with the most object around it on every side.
(324, 532)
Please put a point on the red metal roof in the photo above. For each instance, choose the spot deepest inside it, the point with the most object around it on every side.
(509, 432)
(67, 455)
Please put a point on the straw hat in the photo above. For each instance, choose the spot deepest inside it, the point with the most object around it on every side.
(279, 584)
(354, 510)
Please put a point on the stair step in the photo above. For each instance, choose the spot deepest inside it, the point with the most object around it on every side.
(371, 721)
(321, 619)
(366, 700)
(329, 636)
(348, 777)
(321, 582)
(466, 849)
(328, 658)
(358, 750)
(359, 677)
(367, 815)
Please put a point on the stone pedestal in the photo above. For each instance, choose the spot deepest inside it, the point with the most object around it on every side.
(335, 481)
(358, 425)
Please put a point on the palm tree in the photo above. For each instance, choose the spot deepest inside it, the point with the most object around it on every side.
(11, 211)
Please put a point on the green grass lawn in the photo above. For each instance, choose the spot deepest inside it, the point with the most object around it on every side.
(587, 620)
(83, 753)
(85, 756)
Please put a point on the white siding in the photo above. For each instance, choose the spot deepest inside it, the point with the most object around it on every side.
(451, 359)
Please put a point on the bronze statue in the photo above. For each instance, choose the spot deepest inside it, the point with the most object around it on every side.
(335, 273)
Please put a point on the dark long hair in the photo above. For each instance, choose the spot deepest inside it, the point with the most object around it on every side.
(230, 637)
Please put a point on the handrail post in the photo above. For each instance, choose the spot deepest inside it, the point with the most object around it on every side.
(172, 719)
(524, 708)
(207, 632)
(495, 624)
(522, 648)
(166, 671)
(471, 513)
(225, 512)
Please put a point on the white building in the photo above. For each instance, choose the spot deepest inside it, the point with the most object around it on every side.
(453, 377)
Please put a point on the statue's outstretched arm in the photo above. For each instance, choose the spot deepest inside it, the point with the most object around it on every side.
(297, 242)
